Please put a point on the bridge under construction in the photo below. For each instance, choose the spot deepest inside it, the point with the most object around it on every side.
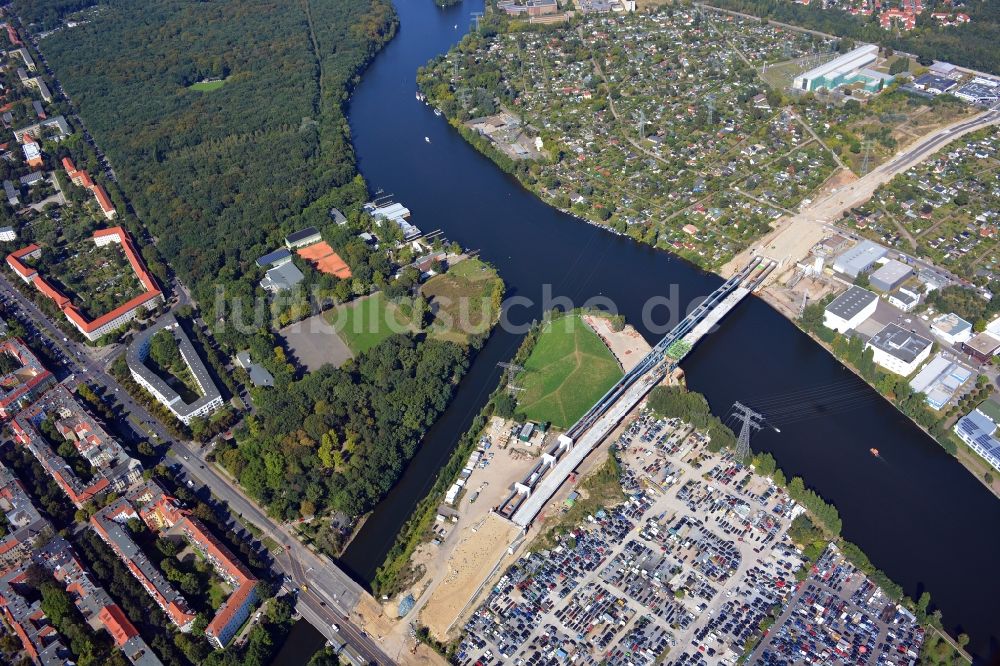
(556, 464)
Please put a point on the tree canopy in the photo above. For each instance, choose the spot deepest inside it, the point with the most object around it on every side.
(340, 438)
(220, 176)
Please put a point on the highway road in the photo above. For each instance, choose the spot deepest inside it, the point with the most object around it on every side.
(325, 590)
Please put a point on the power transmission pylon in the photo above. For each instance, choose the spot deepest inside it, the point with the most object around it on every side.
(710, 105)
(750, 420)
(641, 122)
(867, 147)
(511, 370)
(477, 17)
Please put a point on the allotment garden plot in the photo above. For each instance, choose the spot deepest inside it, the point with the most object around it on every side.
(947, 210)
(96, 278)
(673, 140)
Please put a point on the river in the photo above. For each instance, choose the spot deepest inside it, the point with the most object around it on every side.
(917, 512)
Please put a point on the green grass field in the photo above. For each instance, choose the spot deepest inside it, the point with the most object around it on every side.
(207, 86)
(461, 301)
(364, 323)
(567, 371)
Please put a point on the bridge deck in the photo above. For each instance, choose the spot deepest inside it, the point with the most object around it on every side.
(550, 483)
(534, 491)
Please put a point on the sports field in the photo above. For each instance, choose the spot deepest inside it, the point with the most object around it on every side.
(567, 371)
(365, 322)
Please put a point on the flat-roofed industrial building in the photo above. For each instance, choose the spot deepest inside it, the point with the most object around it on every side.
(849, 309)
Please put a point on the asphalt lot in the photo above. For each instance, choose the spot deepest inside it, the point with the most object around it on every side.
(681, 573)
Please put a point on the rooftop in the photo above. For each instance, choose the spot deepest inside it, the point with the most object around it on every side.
(851, 302)
(892, 271)
(300, 236)
(984, 343)
(859, 258)
(139, 349)
(979, 427)
(899, 342)
(950, 324)
(272, 258)
(22, 380)
(112, 467)
(282, 277)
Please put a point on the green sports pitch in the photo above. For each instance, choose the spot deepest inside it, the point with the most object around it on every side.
(566, 372)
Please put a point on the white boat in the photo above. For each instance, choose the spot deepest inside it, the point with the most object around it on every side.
(437, 112)
(427, 139)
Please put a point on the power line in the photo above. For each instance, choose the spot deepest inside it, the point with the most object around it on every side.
(511, 370)
(750, 420)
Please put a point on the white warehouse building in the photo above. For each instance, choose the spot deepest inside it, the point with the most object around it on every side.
(899, 350)
(842, 70)
(849, 309)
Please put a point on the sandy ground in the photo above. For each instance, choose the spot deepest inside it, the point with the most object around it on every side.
(469, 547)
(627, 345)
(314, 342)
(794, 236)
(789, 300)
(470, 564)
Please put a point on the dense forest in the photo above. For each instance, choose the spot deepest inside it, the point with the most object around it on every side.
(220, 173)
(44, 15)
(970, 45)
(339, 438)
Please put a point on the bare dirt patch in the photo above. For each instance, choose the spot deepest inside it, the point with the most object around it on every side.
(627, 345)
(473, 559)
(314, 342)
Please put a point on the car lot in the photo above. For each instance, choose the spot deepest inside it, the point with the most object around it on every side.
(683, 572)
(838, 616)
(685, 568)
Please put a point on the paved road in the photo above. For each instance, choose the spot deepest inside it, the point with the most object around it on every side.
(325, 589)
(801, 232)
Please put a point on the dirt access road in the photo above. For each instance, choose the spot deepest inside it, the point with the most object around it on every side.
(794, 236)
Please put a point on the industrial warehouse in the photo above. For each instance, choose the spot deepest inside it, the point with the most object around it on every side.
(848, 69)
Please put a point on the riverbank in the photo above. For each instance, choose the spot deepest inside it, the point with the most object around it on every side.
(790, 239)
(544, 255)
(965, 456)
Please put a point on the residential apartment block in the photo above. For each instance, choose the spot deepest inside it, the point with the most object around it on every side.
(32, 544)
(108, 523)
(111, 321)
(22, 385)
(32, 151)
(111, 469)
(162, 513)
(83, 179)
(210, 398)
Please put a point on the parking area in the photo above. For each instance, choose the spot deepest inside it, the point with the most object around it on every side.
(838, 616)
(685, 571)
(681, 572)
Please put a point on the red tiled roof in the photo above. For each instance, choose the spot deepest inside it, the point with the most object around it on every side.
(14, 261)
(102, 199)
(70, 309)
(117, 624)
